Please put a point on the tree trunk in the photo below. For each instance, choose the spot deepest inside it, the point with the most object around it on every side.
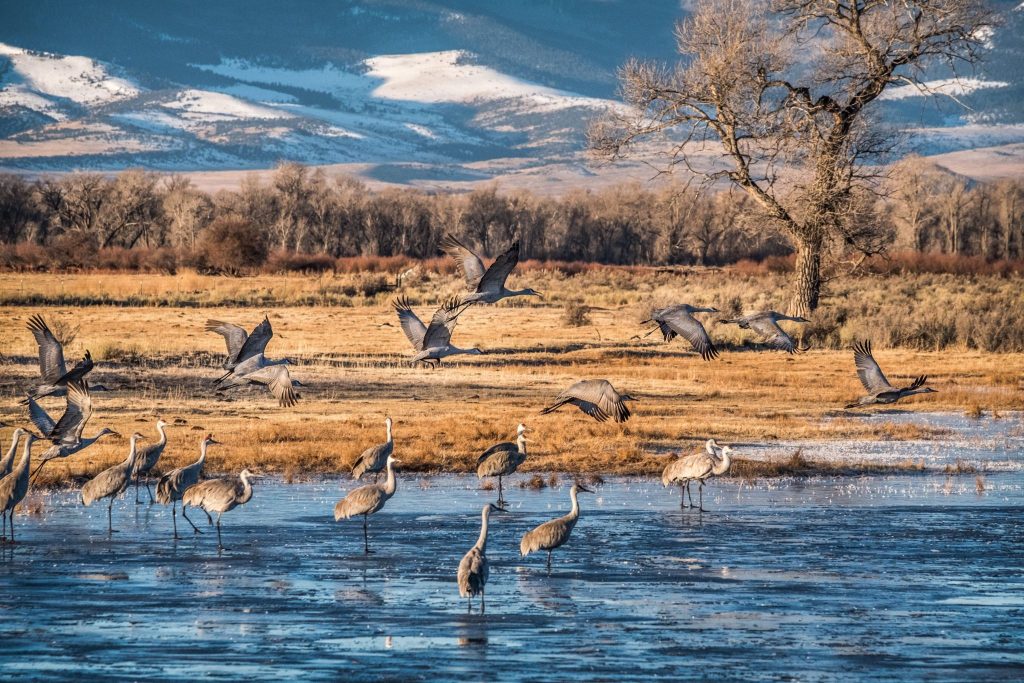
(807, 277)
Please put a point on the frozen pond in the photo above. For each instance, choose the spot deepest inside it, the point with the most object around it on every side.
(891, 577)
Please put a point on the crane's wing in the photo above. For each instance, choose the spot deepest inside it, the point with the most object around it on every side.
(689, 328)
(470, 265)
(774, 335)
(79, 409)
(870, 374)
(234, 335)
(40, 418)
(278, 381)
(257, 341)
(504, 447)
(494, 278)
(413, 327)
(602, 395)
(439, 332)
(51, 353)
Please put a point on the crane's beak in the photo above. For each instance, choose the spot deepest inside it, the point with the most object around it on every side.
(581, 487)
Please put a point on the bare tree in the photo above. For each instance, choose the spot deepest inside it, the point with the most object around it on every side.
(783, 91)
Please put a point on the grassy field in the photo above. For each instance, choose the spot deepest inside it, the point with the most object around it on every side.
(146, 333)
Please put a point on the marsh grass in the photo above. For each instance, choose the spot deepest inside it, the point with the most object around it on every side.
(159, 363)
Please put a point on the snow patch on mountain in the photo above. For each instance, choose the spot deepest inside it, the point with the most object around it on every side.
(35, 75)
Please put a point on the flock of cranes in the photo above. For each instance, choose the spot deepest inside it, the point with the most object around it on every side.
(246, 363)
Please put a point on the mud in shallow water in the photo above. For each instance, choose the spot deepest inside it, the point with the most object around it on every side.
(901, 577)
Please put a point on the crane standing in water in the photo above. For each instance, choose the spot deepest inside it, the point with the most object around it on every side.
(367, 500)
(473, 569)
(553, 534)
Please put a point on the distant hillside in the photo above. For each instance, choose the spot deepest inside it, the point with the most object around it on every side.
(410, 91)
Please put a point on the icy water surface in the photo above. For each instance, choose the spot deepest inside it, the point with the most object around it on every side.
(900, 577)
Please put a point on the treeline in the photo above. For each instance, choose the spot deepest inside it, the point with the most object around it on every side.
(302, 218)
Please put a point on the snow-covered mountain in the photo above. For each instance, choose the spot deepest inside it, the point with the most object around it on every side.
(450, 89)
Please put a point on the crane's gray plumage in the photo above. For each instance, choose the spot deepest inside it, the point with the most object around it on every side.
(488, 285)
(14, 486)
(241, 346)
(766, 324)
(67, 433)
(374, 458)
(246, 362)
(53, 372)
(219, 495)
(173, 485)
(679, 320)
(697, 467)
(473, 569)
(503, 459)
(880, 391)
(148, 458)
(367, 500)
(595, 397)
(551, 535)
(111, 482)
(432, 342)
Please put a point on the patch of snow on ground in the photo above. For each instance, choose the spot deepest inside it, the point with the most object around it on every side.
(954, 87)
(79, 79)
(257, 94)
(204, 105)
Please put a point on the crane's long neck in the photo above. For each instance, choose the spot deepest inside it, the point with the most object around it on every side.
(14, 447)
(481, 542)
(390, 484)
(389, 432)
(246, 489)
(163, 435)
(26, 458)
(202, 454)
(722, 466)
(911, 392)
(521, 442)
(575, 511)
(133, 452)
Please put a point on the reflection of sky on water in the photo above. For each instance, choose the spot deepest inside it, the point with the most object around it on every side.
(904, 576)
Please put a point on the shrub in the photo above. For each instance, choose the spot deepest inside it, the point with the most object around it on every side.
(233, 246)
(576, 314)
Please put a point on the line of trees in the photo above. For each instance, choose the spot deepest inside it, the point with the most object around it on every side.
(304, 211)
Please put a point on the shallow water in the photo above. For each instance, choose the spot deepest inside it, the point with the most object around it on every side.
(895, 577)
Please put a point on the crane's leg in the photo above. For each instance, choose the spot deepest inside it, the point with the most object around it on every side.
(209, 519)
(700, 491)
(10, 521)
(220, 546)
(185, 515)
(174, 518)
(150, 492)
(3, 536)
(110, 514)
(366, 537)
(549, 561)
(469, 604)
(689, 493)
(501, 495)
(483, 605)
(682, 496)
(137, 501)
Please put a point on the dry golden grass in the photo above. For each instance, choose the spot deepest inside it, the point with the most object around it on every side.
(161, 363)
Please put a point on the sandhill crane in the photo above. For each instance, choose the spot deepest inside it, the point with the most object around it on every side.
(879, 389)
(698, 466)
(374, 458)
(488, 286)
(595, 397)
(367, 500)
(147, 460)
(112, 482)
(7, 462)
(679, 320)
(53, 372)
(766, 324)
(220, 496)
(433, 342)
(14, 486)
(241, 346)
(172, 486)
(555, 533)
(247, 364)
(66, 433)
(473, 569)
(503, 459)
